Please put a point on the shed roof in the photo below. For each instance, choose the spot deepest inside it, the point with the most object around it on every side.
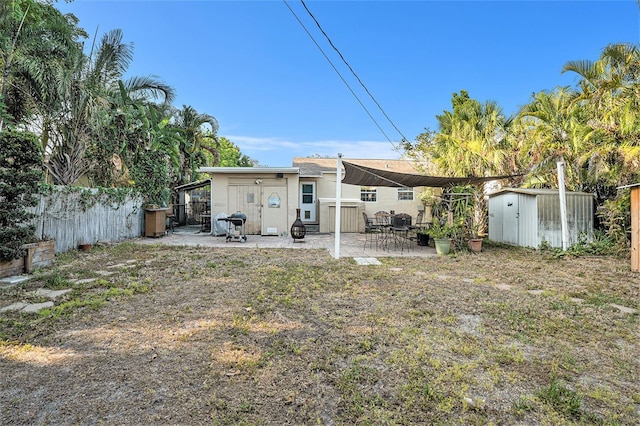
(633, 185)
(194, 185)
(536, 191)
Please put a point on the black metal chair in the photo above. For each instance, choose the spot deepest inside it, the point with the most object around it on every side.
(372, 231)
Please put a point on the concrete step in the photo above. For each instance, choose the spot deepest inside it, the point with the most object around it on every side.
(312, 229)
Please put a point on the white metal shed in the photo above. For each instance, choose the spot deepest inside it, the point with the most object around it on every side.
(527, 217)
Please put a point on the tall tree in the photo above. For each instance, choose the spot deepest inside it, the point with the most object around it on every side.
(231, 156)
(37, 43)
(552, 133)
(193, 127)
(92, 86)
(609, 94)
(470, 139)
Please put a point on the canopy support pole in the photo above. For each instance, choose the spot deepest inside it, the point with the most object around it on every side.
(563, 206)
(336, 250)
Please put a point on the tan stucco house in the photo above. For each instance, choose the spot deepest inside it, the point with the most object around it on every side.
(269, 196)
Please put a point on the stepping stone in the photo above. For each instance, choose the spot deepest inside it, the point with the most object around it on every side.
(467, 280)
(35, 307)
(470, 323)
(535, 292)
(577, 300)
(14, 307)
(51, 294)
(624, 309)
(503, 287)
(367, 261)
(105, 273)
(83, 281)
(16, 279)
(395, 269)
(117, 265)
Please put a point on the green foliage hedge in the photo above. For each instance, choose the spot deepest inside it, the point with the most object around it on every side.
(21, 171)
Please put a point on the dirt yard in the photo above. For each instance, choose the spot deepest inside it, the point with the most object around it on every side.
(186, 336)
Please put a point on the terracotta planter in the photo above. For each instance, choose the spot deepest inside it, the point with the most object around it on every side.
(475, 244)
(85, 246)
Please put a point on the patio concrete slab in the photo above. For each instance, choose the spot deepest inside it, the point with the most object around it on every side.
(351, 244)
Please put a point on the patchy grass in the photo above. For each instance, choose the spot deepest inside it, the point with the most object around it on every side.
(191, 335)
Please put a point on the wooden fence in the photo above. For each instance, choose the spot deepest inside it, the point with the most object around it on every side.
(72, 218)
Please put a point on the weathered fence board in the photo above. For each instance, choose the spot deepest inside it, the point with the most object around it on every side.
(66, 217)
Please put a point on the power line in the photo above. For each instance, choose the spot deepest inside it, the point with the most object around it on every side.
(338, 72)
(352, 71)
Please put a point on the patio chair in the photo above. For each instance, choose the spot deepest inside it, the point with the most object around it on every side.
(372, 231)
(382, 218)
(402, 230)
(418, 227)
(170, 216)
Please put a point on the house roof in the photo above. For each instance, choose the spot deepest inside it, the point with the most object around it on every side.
(315, 167)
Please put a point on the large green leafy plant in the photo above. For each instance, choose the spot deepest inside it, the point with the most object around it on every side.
(20, 174)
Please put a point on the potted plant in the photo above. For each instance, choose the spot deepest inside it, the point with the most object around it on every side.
(475, 241)
(442, 234)
(422, 237)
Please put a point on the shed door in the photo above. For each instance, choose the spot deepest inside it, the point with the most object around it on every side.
(510, 219)
(274, 209)
(246, 199)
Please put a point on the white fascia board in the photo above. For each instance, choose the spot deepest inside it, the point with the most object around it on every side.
(248, 170)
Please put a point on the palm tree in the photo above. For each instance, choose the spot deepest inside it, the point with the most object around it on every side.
(89, 93)
(192, 126)
(552, 133)
(471, 138)
(609, 93)
(37, 42)
(471, 141)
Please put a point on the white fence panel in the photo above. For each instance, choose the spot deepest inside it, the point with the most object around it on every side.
(72, 218)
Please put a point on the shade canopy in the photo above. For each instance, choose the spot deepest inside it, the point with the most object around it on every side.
(366, 176)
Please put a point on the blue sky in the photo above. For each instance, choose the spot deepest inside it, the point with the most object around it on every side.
(251, 65)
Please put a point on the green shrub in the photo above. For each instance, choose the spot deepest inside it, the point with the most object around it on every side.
(20, 174)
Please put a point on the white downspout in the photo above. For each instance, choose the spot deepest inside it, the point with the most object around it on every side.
(336, 250)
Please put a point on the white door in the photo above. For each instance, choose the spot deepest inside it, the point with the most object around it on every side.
(510, 219)
(274, 210)
(308, 202)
